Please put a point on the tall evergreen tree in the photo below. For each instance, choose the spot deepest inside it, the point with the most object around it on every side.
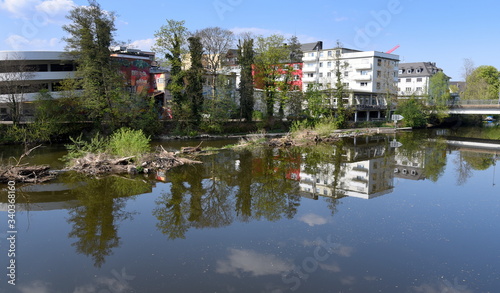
(171, 41)
(195, 79)
(90, 37)
(245, 60)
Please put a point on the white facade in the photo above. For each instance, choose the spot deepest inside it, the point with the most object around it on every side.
(414, 78)
(362, 71)
(47, 70)
(368, 76)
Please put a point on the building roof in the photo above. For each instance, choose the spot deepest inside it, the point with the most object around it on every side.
(418, 69)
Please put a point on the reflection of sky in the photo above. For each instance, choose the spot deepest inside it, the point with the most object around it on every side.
(249, 261)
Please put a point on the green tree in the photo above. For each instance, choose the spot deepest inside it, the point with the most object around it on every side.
(483, 84)
(340, 92)
(246, 60)
(413, 112)
(315, 100)
(271, 53)
(171, 40)
(90, 37)
(195, 79)
(439, 96)
(295, 51)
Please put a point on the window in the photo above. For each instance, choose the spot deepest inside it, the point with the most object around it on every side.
(378, 85)
(321, 74)
(321, 54)
(310, 64)
(321, 64)
(363, 84)
(296, 77)
(419, 89)
(311, 54)
(328, 74)
(379, 62)
(296, 66)
(399, 79)
(310, 75)
(379, 73)
(3, 110)
(364, 72)
(346, 73)
(330, 54)
(346, 84)
(408, 80)
(61, 67)
(329, 64)
(408, 89)
(419, 79)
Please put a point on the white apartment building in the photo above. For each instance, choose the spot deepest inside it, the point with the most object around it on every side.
(369, 76)
(414, 78)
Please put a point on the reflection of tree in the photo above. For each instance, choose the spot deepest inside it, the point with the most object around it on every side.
(101, 203)
(435, 161)
(273, 195)
(478, 161)
(464, 170)
(228, 186)
(243, 195)
(172, 208)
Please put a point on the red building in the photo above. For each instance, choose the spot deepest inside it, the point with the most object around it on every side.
(135, 65)
(292, 71)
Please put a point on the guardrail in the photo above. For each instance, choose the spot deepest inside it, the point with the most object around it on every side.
(495, 102)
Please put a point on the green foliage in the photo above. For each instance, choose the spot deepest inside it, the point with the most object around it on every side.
(413, 112)
(271, 52)
(171, 41)
(90, 35)
(315, 102)
(80, 147)
(127, 142)
(195, 79)
(245, 60)
(483, 83)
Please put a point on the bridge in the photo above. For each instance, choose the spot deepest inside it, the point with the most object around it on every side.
(475, 107)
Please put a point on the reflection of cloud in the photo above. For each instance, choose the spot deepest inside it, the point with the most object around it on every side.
(347, 280)
(249, 261)
(313, 219)
(441, 286)
(343, 250)
(35, 287)
(118, 284)
(335, 268)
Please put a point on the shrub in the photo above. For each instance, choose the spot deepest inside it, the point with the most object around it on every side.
(127, 142)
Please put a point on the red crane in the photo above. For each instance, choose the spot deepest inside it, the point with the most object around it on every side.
(392, 50)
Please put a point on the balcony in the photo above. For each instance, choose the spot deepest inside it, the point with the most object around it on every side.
(366, 77)
(362, 66)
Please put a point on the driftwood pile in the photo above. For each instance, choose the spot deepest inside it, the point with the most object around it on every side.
(99, 164)
(26, 174)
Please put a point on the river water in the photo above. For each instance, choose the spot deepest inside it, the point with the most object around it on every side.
(415, 212)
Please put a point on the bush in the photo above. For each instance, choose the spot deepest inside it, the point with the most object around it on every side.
(79, 147)
(127, 142)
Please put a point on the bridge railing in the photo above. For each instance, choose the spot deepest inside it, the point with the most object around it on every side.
(495, 102)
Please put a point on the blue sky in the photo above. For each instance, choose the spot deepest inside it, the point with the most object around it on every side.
(444, 32)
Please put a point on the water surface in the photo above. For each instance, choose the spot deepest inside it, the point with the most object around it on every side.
(365, 215)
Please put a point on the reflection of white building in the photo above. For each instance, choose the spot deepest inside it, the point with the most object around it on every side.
(409, 167)
(363, 179)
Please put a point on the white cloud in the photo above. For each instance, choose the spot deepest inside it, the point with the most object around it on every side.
(249, 261)
(144, 45)
(313, 219)
(37, 10)
(55, 8)
(18, 43)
